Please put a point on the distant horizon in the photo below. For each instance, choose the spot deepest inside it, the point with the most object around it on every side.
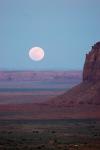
(69, 70)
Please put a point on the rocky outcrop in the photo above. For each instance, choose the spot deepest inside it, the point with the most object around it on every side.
(87, 92)
(91, 70)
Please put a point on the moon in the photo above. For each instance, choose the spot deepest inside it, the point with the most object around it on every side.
(36, 53)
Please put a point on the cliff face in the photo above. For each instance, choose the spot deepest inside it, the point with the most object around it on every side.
(87, 92)
(91, 70)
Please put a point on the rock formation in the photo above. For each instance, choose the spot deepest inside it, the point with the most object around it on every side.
(87, 92)
(91, 70)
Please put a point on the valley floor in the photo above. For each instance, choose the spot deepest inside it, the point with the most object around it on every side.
(70, 134)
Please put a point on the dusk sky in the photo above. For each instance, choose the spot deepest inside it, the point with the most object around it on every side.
(65, 29)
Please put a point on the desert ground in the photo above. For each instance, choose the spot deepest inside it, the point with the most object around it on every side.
(46, 126)
(70, 134)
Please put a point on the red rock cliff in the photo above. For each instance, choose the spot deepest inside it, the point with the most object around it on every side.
(91, 71)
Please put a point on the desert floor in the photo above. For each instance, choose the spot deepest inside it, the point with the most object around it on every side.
(68, 134)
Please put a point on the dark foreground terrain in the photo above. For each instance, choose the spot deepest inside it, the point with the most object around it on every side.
(50, 134)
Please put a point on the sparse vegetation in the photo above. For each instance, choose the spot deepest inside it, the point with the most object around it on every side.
(62, 135)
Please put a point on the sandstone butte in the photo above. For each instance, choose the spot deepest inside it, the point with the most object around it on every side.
(83, 100)
(87, 92)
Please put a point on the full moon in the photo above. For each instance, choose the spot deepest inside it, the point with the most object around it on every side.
(36, 53)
